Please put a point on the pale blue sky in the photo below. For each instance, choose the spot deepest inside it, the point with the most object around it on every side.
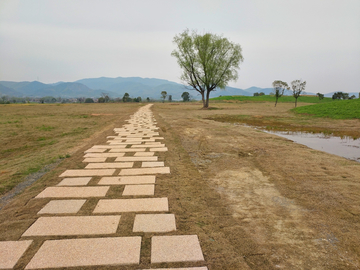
(66, 40)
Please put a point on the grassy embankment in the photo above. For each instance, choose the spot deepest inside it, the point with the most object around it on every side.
(36, 135)
(270, 98)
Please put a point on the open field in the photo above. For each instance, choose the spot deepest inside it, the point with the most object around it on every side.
(256, 200)
(271, 98)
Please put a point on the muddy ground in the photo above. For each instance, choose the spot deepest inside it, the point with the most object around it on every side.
(256, 200)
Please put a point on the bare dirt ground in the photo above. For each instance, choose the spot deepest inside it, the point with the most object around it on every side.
(256, 200)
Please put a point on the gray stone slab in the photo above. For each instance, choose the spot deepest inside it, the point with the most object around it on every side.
(100, 172)
(76, 181)
(95, 159)
(73, 192)
(154, 223)
(103, 155)
(124, 159)
(132, 205)
(136, 190)
(117, 165)
(11, 252)
(62, 207)
(175, 248)
(140, 171)
(87, 252)
(152, 164)
(127, 180)
(144, 154)
(73, 225)
(125, 150)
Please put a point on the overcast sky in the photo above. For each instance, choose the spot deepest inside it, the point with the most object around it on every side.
(66, 40)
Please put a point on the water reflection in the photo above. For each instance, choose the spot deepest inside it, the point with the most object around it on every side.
(344, 147)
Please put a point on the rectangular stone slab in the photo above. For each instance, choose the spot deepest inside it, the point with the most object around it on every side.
(118, 165)
(107, 146)
(100, 172)
(74, 225)
(139, 171)
(144, 154)
(128, 180)
(11, 252)
(132, 205)
(94, 150)
(124, 150)
(160, 149)
(95, 159)
(175, 248)
(75, 181)
(152, 164)
(103, 155)
(62, 207)
(187, 268)
(73, 192)
(87, 252)
(154, 223)
(148, 145)
(115, 143)
(124, 159)
(137, 190)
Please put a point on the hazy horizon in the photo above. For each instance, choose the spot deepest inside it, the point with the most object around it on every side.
(52, 40)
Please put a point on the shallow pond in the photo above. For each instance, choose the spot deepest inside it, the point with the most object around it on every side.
(344, 147)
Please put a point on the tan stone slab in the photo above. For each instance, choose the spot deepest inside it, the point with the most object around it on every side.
(134, 190)
(144, 154)
(62, 207)
(122, 143)
(117, 165)
(123, 159)
(187, 268)
(152, 164)
(95, 150)
(11, 252)
(153, 142)
(76, 181)
(96, 159)
(87, 252)
(148, 145)
(143, 140)
(106, 146)
(154, 223)
(128, 180)
(160, 149)
(139, 171)
(103, 155)
(84, 172)
(127, 150)
(132, 205)
(74, 225)
(175, 248)
(73, 192)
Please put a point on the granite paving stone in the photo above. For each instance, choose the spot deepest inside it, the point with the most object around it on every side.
(87, 252)
(103, 155)
(95, 159)
(127, 180)
(132, 205)
(152, 164)
(124, 150)
(76, 181)
(106, 146)
(117, 165)
(73, 225)
(154, 223)
(124, 159)
(160, 149)
(62, 207)
(11, 252)
(148, 145)
(138, 190)
(103, 172)
(175, 248)
(139, 171)
(73, 192)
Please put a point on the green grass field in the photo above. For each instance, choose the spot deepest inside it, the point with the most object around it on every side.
(338, 109)
(270, 98)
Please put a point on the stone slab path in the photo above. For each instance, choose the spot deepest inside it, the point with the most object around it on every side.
(129, 159)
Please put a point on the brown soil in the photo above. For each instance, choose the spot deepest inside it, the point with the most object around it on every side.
(256, 201)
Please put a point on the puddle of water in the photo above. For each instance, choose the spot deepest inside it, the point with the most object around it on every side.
(346, 147)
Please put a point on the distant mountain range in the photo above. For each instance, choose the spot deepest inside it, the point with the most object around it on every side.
(117, 87)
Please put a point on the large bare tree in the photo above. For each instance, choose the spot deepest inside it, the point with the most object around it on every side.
(208, 61)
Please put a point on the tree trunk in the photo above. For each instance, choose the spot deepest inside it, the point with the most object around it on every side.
(276, 101)
(206, 105)
(203, 99)
(295, 102)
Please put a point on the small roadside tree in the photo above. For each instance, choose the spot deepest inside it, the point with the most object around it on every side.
(185, 96)
(163, 95)
(298, 86)
(208, 61)
(279, 89)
